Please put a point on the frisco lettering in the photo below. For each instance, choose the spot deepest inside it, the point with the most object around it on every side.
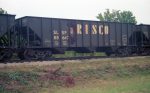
(101, 29)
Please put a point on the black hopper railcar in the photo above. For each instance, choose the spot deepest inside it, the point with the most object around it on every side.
(40, 37)
(7, 36)
(143, 39)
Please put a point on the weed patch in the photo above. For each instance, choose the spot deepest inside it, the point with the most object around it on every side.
(58, 77)
(109, 71)
(13, 80)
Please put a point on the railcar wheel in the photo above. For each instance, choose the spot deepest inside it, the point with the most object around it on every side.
(21, 55)
(29, 54)
(124, 51)
(6, 54)
(108, 53)
(145, 51)
(148, 52)
(42, 54)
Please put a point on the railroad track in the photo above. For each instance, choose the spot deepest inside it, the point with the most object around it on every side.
(67, 58)
(52, 59)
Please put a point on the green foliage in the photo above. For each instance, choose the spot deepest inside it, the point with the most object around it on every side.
(21, 77)
(108, 71)
(2, 90)
(128, 85)
(11, 80)
(2, 11)
(117, 16)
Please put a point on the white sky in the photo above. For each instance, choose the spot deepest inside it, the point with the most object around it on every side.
(76, 9)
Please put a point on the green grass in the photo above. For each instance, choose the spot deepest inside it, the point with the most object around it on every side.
(139, 84)
(118, 75)
(10, 81)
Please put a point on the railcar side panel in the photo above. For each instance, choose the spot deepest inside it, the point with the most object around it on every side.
(3, 24)
(130, 38)
(149, 34)
(112, 32)
(79, 27)
(56, 33)
(134, 36)
(22, 33)
(101, 34)
(106, 34)
(34, 31)
(86, 34)
(124, 34)
(118, 34)
(47, 32)
(145, 34)
(64, 33)
(72, 33)
(6, 28)
(94, 34)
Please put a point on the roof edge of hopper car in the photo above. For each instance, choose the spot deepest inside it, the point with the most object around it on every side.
(8, 14)
(71, 19)
(143, 24)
